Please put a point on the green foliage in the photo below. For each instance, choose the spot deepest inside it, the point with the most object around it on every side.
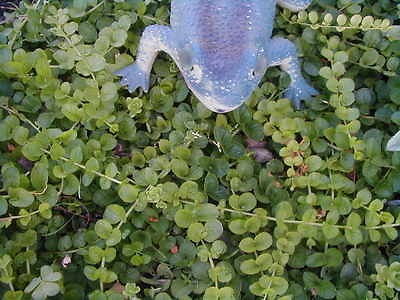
(46, 285)
(107, 195)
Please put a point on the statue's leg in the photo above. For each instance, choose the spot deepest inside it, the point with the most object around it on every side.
(294, 5)
(155, 38)
(283, 53)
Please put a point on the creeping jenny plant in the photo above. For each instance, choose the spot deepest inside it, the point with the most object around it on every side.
(110, 195)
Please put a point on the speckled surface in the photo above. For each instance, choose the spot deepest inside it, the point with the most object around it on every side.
(222, 48)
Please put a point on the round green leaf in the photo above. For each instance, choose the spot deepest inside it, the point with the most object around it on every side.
(103, 229)
(128, 193)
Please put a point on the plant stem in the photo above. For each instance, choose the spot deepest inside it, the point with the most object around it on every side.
(284, 221)
(276, 220)
(269, 286)
(94, 8)
(59, 229)
(154, 20)
(68, 251)
(84, 168)
(383, 226)
(103, 262)
(28, 265)
(5, 219)
(127, 214)
(211, 261)
(20, 116)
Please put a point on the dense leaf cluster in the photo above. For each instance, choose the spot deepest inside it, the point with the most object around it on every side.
(111, 195)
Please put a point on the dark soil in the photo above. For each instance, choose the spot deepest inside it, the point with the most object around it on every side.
(6, 6)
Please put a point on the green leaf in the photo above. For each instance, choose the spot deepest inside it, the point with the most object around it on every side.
(118, 37)
(180, 168)
(218, 248)
(66, 59)
(214, 230)
(238, 226)
(222, 272)
(314, 163)
(354, 236)
(20, 197)
(316, 260)
(39, 176)
(219, 167)
(264, 261)
(146, 177)
(103, 229)
(346, 85)
(3, 206)
(330, 231)
(128, 192)
(96, 62)
(263, 241)
(323, 288)
(47, 274)
(45, 210)
(249, 267)
(13, 295)
(253, 130)
(226, 293)
(206, 212)
(245, 201)
(196, 232)
(110, 254)
(92, 165)
(183, 218)
(20, 135)
(70, 28)
(354, 220)
(211, 293)
(372, 219)
(32, 151)
(370, 57)
(46, 289)
(32, 285)
(56, 151)
(278, 285)
(248, 245)
(91, 273)
(364, 196)
(95, 254)
(114, 237)
(45, 285)
(114, 214)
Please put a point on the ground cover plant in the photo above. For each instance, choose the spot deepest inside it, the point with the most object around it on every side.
(111, 195)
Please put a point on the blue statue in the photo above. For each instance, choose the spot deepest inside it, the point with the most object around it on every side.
(222, 48)
(394, 143)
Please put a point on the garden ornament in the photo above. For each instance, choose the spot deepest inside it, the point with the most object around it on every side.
(222, 48)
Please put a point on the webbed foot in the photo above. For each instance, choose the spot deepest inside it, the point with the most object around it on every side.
(133, 77)
(295, 5)
(283, 53)
(300, 90)
(155, 38)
